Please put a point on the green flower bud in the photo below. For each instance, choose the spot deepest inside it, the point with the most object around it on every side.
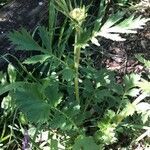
(78, 14)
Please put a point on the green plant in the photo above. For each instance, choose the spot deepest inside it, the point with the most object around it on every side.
(62, 92)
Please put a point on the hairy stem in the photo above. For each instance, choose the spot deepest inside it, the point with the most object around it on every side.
(77, 50)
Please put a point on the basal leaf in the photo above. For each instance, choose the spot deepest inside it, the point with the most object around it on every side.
(10, 87)
(24, 41)
(37, 59)
(30, 102)
(44, 35)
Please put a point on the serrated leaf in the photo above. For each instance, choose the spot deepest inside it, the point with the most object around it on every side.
(36, 59)
(84, 38)
(59, 121)
(117, 88)
(30, 102)
(128, 110)
(144, 86)
(109, 115)
(95, 41)
(130, 24)
(85, 143)
(112, 20)
(145, 116)
(113, 27)
(104, 77)
(143, 60)
(44, 35)
(24, 41)
(10, 87)
(133, 92)
(68, 74)
(72, 110)
(53, 95)
(143, 108)
(131, 81)
(104, 93)
(64, 118)
(88, 88)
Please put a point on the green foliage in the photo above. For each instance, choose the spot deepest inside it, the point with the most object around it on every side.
(24, 41)
(26, 98)
(107, 126)
(143, 60)
(85, 143)
(60, 92)
(114, 26)
(44, 35)
(36, 59)
(68, 74)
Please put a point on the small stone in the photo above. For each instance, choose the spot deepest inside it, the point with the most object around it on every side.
(40, 3)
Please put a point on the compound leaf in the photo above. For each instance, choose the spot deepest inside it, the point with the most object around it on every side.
(30, 102)
(53, 95)
(37, 59)
(24, 41)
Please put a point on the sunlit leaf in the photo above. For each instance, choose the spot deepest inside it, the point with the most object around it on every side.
(114, 26)
(36, 59)
(143, 107)
(12, 73)
(143, 60)
(144, 85)
(131, 81)
(133, 92)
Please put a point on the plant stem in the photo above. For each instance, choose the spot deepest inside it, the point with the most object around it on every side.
(77, 51)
